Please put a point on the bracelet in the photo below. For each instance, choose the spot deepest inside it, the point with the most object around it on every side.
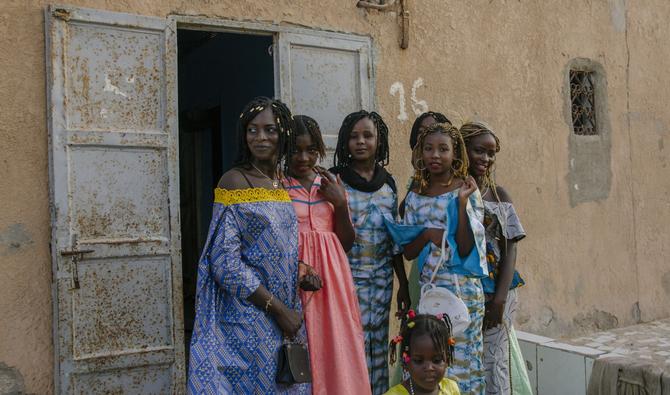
(268, 303)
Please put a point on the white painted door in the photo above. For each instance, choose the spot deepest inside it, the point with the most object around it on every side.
(326, 76)
(115, 198)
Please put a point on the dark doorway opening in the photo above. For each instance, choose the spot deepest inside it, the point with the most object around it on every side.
(218, 74)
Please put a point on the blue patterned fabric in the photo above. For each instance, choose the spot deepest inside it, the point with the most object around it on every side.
(234, 346)
(371, 266)
(501, 222)
(432, 212)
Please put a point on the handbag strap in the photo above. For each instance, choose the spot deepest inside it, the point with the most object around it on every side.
(304, 307)
(443, 258)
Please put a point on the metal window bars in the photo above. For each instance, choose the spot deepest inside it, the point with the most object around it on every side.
(582, 96)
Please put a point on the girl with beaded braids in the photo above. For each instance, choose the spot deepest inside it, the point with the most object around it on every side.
(426, 349)
(361, 154)
(446, 202)
(246, 296)
(503, 231)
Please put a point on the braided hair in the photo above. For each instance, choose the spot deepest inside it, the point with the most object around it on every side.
(470, 130)
(439, 117)
(437, 327)
(343, 156)
(283, 119)
(459, 165)
(307, 125)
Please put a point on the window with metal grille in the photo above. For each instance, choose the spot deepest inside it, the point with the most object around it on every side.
(582, 95)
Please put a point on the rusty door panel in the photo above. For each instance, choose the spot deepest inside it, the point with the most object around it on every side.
(114, 194)
(325, 76)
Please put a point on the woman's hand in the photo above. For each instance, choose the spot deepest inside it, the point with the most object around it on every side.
(331, 188)
(289, 322)
(468, 187)
(493, 314)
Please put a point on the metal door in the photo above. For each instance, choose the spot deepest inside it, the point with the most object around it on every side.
(115, 196)
(325, 76)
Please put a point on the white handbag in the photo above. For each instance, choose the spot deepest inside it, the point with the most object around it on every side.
(436, 300)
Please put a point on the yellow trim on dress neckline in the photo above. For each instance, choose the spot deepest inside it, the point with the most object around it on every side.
(250, 195)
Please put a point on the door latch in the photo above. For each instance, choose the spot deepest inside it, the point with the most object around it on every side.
(75, 255)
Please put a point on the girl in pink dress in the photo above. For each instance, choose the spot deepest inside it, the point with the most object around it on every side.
(325, 231)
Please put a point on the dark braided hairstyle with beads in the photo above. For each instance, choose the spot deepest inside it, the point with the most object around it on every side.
(437, 327)
(439, 118)
(283, 119)
(470, 130)
(343, 156)
(307, 125)
(421, 174)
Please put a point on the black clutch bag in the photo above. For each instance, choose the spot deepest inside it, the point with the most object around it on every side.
(293, 364)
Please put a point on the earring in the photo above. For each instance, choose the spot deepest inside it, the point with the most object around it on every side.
(420, 167)
(456, 164)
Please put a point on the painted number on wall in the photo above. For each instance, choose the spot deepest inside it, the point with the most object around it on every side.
(418, 106)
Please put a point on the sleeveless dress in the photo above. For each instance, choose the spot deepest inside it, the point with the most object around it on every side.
(467, 369)
(252, 241)
(332, 315)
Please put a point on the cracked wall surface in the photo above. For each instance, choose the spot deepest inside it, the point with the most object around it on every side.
(590, 263)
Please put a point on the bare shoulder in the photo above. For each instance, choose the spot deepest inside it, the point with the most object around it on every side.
(503, 194)
(233, 179)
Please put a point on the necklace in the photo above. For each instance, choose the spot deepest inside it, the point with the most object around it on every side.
(451, 178)
(411, 386)
(275, 182)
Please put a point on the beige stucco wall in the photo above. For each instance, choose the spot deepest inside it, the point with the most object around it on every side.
(589, 265)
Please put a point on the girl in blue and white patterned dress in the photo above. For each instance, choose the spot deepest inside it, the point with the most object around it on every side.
(445, 198)
(361, 154)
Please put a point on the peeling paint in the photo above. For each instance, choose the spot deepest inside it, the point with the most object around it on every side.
(11, 380)
(14, 238)
(596, 320)
(112, 88)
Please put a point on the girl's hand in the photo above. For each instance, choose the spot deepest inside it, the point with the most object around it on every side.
(308, 278)
(493, 314)
(331, 188)
(289, 322)
(468, 187)
(310, 282)
(435, 235)
(403, 300)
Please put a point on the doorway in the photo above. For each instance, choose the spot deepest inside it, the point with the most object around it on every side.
(218, 73)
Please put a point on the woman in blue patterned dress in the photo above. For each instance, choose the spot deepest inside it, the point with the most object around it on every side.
(361, 154)
(443, 193)
(248, 273)
(503, 231)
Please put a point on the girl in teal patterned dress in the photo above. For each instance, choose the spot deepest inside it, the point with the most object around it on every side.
(360, 157)
(443, 193)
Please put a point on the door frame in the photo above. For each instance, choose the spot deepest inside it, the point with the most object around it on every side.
(189, 22)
